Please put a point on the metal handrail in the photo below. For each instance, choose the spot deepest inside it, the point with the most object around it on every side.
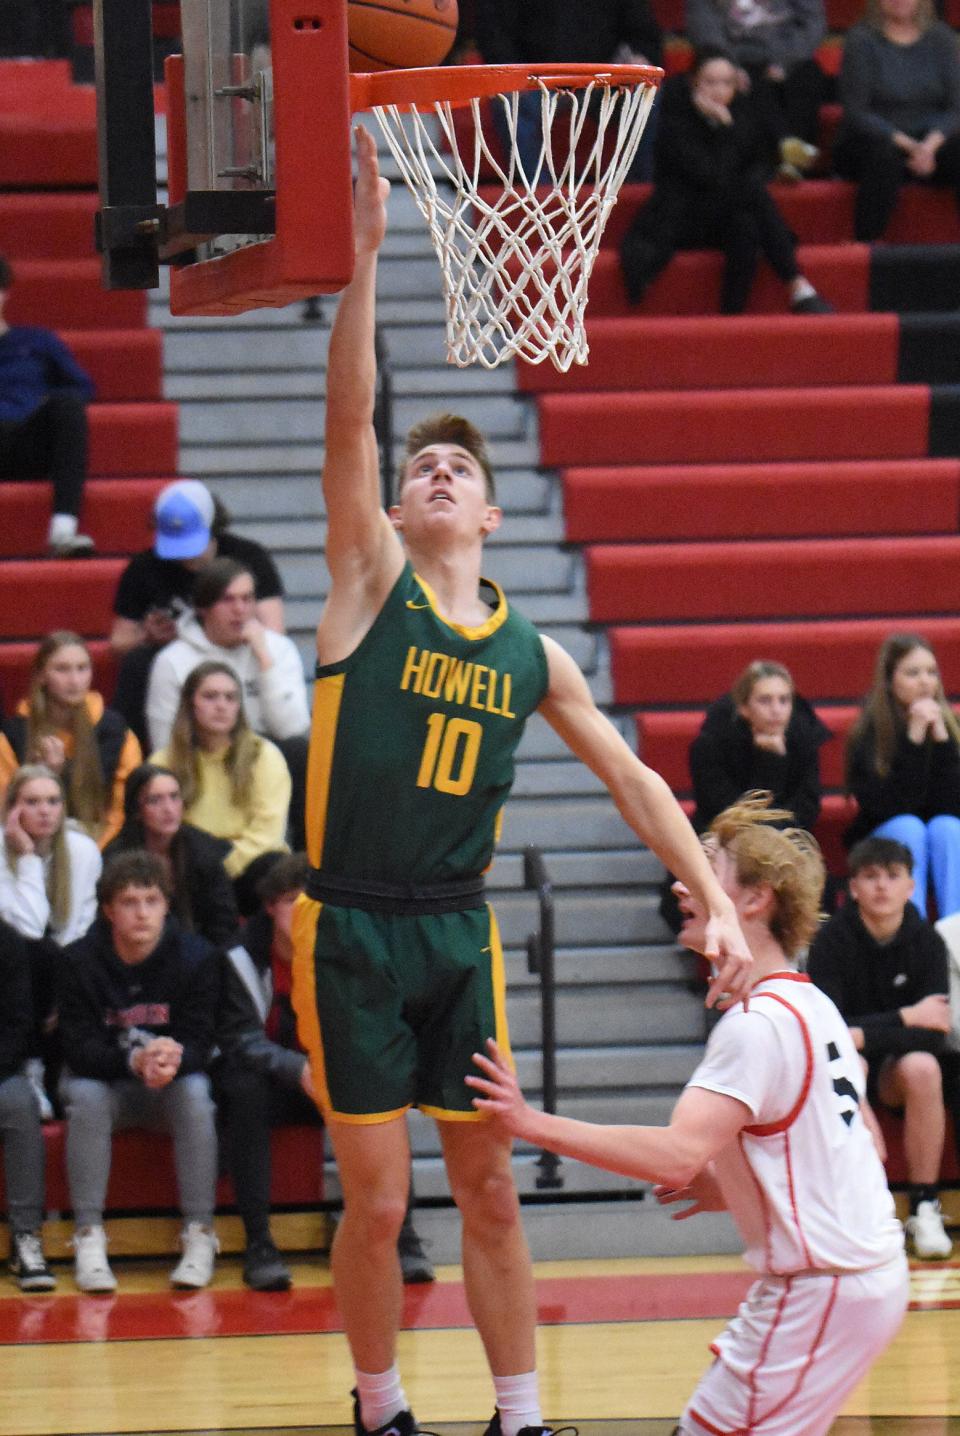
(383, 414)
(541, 960)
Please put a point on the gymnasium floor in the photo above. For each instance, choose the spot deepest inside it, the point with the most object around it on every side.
(621, 1346)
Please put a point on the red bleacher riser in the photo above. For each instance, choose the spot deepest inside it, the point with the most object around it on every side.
(727, 352)
(690, 284)
(68, 294)
(734, 425)
(829, 660)
(720, 501)
(38, 150)
(30, 87)
(133, 438)
(115, 513)
(47, 226)
(15, 660)
(125, 364)
(836, 814)
(763, 578)
(663, 741)
(59, 593)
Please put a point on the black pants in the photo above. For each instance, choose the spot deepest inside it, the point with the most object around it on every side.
(791, 106)
(51, 444)
(295, 751)
(130, 694)
(746, 226)
(250, 1104)
(880, 169)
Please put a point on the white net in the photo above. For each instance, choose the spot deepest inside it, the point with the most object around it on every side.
(516, 252)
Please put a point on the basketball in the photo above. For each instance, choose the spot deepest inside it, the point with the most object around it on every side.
(400, 34)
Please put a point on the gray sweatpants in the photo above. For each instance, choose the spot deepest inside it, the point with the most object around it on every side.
(24, 1155)
(95, 1110)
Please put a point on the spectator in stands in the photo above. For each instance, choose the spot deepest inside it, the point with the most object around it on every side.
(192, 528)
(773, 45)
(24, 1154)
(511, 32)
(900, 89)
(710, 190)
(43, 420)
(234, 783)
(64, 724)
(762, 735)
(48, 881)
(903, 768)
(138, 1012)
(263, 1080)
(886, 970)
(267, 664)
(202, 898)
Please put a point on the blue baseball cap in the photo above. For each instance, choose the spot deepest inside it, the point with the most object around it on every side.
(183, 514)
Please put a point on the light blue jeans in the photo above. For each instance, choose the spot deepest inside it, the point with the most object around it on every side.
(936, 857)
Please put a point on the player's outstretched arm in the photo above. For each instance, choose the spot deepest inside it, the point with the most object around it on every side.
(363, 553)
(647, 804)
(702, 1124)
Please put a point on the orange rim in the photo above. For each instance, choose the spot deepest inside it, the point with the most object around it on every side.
(459, 84)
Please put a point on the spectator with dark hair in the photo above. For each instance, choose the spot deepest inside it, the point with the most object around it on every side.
(24, 1154)
(43, 420)
(234, 783)
(710, 191)
(900, 89)
(48, 880)
(761, 736)
(138, 1001)
(903, 768)
(267, 664)
(264, 1080)
(773, 43)
(64, 724)
(202, 898)
(886, 970)
(192, 527)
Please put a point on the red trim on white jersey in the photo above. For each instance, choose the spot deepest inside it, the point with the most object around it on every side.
(771, 1129)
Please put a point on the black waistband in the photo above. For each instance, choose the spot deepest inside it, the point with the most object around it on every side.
(396, 899)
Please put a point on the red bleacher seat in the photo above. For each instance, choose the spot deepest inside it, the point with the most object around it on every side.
(60, 593)
(47, 226)
(70, 290)
(133, 438)
(116, 514)
(124, 364)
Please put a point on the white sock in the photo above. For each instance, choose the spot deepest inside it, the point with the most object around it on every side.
(381, 1396)
(801, 289)
(518, 1402)
(62, 527)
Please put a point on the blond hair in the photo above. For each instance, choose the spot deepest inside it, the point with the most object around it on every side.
(58, 885)
(84, 785)
(184, 748)
(786, 859)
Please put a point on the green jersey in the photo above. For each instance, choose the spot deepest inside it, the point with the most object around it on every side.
(413, 740)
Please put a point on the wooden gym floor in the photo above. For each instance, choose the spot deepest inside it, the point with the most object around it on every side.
(621, 1345)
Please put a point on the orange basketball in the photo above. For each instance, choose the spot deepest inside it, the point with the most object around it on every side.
(400, 34)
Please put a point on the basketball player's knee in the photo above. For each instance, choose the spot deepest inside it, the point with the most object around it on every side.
(375, 1216)
(491, 1202)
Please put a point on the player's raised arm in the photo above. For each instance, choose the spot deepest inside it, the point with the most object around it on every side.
(647, 804)
(363, 554)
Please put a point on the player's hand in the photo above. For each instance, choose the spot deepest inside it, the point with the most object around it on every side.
(500, 1097)
(932, 1012)
(369, 196)
(726, 950)
(703, 1193)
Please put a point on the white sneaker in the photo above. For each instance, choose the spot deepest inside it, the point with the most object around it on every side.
(200, 1247)
(926, 1235)
(33, 1071)
(91, 1270)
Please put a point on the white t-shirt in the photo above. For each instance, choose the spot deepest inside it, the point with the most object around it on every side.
(803, 1182)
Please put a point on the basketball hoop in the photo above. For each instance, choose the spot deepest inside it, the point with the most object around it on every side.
(516, 257)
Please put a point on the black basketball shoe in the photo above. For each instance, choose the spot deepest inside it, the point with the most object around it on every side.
(403, 1424)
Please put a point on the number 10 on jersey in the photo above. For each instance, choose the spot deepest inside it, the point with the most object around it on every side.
(450, 753)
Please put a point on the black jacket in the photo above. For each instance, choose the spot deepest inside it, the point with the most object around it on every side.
(106, 1004)
(203, 898)
(110, 733)
(725, 763)
(16, 1010)
(511, 32)
(246, 1000)
(870, 981)
(924, 779)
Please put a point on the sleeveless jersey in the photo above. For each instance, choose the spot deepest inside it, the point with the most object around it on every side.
(803, 1183)
(413, 740)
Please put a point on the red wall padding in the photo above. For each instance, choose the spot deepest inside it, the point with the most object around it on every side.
(116, 515)
(719, 501)
(767, 578)
(829, 660)
(728, 352)
(734, 425)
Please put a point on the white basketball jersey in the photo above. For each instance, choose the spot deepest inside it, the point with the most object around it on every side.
(803, 1182)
